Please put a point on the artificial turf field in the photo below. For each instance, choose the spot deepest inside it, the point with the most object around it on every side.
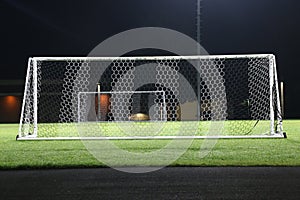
(226, 152)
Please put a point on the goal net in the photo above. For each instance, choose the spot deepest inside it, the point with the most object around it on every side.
(234, 96)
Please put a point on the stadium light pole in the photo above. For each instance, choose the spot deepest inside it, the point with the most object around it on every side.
(198, 21)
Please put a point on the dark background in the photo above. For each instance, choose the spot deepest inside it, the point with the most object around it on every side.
(74, 28)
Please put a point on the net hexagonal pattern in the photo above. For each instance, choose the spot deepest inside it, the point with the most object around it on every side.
(186, 94)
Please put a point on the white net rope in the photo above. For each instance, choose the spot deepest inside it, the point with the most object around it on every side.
(234, 90)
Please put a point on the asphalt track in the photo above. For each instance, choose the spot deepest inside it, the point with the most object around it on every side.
(168, 183)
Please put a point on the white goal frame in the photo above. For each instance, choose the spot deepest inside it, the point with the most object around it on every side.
(163, 111)
(276, 127)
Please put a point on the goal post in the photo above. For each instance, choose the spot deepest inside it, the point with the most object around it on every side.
(163, 97)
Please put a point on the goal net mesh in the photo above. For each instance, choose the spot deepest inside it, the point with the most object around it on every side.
(151, 96)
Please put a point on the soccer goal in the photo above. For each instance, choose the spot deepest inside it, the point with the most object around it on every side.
(165, 97)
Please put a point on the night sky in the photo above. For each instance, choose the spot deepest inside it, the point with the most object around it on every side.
(74, 28)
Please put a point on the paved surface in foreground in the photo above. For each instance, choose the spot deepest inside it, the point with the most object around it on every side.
(168, 183)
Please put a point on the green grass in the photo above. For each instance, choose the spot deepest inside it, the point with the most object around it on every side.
(227, 152)
(169, 128)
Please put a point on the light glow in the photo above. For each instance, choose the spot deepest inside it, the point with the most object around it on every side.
(11, 102)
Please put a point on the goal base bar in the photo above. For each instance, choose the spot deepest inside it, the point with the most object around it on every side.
(279, 135)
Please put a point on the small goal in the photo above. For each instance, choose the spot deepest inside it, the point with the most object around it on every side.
(164, 97)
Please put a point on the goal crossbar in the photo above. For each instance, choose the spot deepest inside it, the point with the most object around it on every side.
(193, 57)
